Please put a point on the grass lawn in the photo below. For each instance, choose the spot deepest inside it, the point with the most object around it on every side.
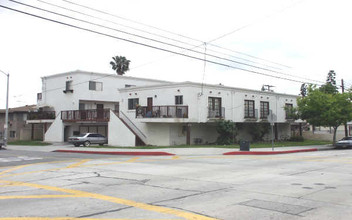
(252, 145)
(29, 143)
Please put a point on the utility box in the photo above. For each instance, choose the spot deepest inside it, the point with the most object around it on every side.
(244, 146)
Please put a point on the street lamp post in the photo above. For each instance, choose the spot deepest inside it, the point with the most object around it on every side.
(7, 110)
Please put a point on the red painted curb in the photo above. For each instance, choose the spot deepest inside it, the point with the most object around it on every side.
(140, 153)
(268, 152)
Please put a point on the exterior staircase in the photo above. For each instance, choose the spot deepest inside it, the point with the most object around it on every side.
(141, 138)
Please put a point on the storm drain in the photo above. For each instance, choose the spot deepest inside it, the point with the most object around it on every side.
(276, 206)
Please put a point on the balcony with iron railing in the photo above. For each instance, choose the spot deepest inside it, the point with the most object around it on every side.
(216, 113)
(251, 115)
(166, 111)
(41, 115)
(92, 115)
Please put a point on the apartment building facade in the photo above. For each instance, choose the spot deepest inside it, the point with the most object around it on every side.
(132, 111)
(18, 128)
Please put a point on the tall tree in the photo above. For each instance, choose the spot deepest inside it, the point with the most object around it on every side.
(320, 108)
(120, 64)
(330, 85)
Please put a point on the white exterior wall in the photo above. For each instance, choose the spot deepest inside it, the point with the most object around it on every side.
(119, 134)
(55, 133)
(53, 86)
(158, 134)
(53, 95)
(162, 131)
(232, 100)
(159, 131)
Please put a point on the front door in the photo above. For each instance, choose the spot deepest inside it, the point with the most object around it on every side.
(100, 111)
(149, 106)
(82, 111)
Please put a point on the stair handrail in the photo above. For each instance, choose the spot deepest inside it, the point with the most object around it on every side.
(129, 120)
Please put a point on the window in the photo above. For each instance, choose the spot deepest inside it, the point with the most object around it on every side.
(12, 134)
(179, 100)
(96, 86)
(39, 96)
(249, 109)
(69, 87)
(289, 110)
(128, 86)
(132, 103)
(264, 110)
(214, 107)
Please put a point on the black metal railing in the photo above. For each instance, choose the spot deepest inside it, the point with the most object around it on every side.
(216, 113)
(86, 115)
(166, 111)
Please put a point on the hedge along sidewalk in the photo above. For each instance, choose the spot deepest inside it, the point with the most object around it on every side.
(29, 143)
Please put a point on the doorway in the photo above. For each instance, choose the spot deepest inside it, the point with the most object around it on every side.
(66, 133)
(149, 107)
(100, 111)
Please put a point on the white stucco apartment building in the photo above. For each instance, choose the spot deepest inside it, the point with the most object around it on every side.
(132, 111)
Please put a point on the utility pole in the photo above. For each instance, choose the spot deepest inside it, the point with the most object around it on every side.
(343, 91)
(7, 110)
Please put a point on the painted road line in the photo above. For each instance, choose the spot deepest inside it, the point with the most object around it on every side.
(78, 163)
(131, 153)
(110, 163)
(13, 169)
(18, 158)
(62, 168)
(78, 193)
(38, 197)
(73, 218)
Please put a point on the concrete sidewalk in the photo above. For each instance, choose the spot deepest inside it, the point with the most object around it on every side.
(63, 147)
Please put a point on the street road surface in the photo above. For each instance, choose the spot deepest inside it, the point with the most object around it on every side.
(38, 185)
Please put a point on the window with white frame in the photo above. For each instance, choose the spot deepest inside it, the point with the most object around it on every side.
(96, 86)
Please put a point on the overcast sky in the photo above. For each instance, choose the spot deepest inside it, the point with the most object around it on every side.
(297, 40)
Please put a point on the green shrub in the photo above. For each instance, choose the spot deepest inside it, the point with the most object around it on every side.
(227, 132)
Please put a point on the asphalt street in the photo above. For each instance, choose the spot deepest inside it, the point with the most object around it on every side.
(47, 185)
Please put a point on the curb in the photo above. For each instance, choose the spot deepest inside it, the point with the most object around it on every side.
(137, 153)
(268, 152)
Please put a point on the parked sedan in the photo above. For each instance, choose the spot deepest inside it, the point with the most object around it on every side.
(344, 142)
(88, 139)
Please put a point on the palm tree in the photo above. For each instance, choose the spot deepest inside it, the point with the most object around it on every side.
(120, 64)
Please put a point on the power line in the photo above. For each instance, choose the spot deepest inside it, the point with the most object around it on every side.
(250, 24)
(146, 38)
(149, 46)
(158, 41)
(169, 32)
(209, 44)
(158, 35)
